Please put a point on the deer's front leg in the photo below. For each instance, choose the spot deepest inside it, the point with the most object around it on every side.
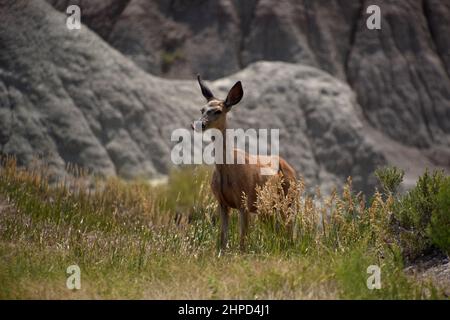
(224, 214)
(243, 227)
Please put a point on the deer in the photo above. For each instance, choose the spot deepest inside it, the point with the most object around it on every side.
(231, 181)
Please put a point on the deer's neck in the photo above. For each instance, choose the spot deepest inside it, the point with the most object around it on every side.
(227, 154)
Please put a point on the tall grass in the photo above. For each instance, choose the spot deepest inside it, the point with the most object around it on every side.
(134, 240)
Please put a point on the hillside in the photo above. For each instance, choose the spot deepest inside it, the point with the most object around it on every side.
(346, 99)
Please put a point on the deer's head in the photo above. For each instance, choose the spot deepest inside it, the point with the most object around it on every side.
(215, 110)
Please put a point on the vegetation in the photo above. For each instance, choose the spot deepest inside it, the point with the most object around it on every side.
(134, 240)
(421, 217)
(168, 58)
(390, 178)
(439, 228)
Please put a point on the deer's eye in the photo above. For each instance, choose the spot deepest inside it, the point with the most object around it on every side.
(218, 112)
(202, 110)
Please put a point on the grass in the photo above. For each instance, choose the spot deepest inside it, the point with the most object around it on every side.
(168, 58)
(136, 241)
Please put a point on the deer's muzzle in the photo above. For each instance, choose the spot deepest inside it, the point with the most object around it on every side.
(198, 125)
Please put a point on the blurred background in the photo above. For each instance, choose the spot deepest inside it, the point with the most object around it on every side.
(345, 98)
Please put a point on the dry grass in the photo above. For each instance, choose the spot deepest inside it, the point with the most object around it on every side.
(133, 240)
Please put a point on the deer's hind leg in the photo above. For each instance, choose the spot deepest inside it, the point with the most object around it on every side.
(244, 216)
(224, 217)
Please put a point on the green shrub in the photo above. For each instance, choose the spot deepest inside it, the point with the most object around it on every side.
(413, 212)
(390, 178)
(439, 228)
(168, 58)
(419, 203)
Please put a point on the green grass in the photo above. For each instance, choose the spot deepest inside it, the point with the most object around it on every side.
(135, 241)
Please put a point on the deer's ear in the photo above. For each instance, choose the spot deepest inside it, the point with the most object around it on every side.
(205, 90)
(234, 95)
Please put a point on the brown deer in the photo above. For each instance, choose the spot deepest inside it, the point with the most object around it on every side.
(231, 181)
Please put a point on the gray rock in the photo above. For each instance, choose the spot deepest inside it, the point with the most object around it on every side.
(397, 72)
(400, 73)
(74, 99)
(69, 96)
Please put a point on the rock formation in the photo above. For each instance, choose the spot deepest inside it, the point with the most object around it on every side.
(344, 97)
